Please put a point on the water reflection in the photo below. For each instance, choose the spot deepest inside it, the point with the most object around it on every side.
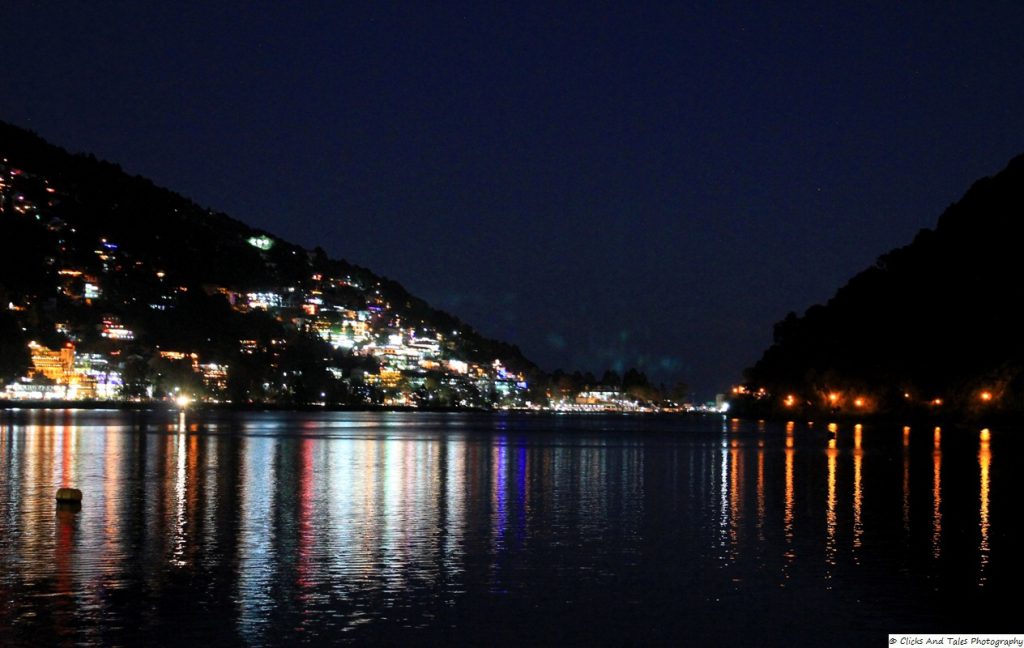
(984, 463)
(788, 511)
(906, 480)
(937, 494)
(735, 497)
(256, 540)
(858, 494)
(830, 511)
(761, 495)
(724, 490)
(279, 529)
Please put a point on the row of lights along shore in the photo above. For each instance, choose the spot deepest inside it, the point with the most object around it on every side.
(834, 398)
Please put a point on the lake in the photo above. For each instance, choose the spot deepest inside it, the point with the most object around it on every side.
(274, 528)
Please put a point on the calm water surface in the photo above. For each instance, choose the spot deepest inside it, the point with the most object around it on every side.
(271, 528)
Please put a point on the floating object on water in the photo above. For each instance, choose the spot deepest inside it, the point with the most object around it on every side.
(69, 495)
(66, 510)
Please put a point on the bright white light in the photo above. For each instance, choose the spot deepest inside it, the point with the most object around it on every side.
(183, 401)
(261, 242)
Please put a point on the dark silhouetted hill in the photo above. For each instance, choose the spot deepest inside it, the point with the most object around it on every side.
(935, 324)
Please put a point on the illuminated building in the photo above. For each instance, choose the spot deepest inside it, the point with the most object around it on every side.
(458, 366)
(605, 399)
(95, 378)
(261, 242)
(74, 377)
(387, 378)
(179, 355)
(77, 285)
(215, 376)
(248, 347)
(112, 329)
(58, 365)
(265, 300)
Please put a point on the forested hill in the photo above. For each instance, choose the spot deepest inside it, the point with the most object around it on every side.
(935, 324)
(85, 246)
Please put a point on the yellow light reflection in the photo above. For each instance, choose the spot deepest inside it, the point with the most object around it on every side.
(760, 491)
(937, 495)
(906, 479)
(830, 511)
(787, 513)
(984, 463)
(858, 493)
(112, 479)
(735, 495)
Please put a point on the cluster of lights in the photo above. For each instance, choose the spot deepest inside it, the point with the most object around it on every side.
(743, 390)
(261, 242)
(834, 398)
(117, 332)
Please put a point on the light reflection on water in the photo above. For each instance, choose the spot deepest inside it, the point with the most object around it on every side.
(858, 492)
(831, 514)
(272, 528)
(937, 495)
(985, 464)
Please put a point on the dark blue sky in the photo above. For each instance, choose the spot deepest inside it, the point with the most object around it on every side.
(602, 186)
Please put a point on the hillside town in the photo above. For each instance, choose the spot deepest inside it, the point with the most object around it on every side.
(109, 323)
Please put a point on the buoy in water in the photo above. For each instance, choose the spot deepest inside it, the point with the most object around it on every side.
(66, 510)
(69, 495)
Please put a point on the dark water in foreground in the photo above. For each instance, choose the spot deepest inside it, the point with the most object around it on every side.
(368, 527)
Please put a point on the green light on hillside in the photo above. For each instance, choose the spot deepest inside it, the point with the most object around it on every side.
(261, 242)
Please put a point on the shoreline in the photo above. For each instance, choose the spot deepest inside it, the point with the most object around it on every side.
(159, 406)
(166, 406)
(906, 418)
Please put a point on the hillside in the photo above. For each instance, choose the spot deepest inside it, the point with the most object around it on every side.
(935, 324)
(156, 295)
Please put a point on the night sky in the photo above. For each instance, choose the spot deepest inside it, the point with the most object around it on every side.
(601, 186)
